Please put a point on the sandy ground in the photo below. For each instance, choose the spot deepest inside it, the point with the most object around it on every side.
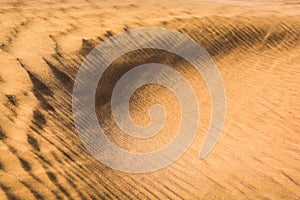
(256, 48)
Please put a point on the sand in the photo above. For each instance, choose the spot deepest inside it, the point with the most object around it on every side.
(256, 47)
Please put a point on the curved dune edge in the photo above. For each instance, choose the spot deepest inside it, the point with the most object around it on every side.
(256, 47)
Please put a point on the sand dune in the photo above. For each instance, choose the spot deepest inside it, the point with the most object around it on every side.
(255, 46)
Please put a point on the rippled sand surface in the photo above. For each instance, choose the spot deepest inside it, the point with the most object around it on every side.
(255, 45)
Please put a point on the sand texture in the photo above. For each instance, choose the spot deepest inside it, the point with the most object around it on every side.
(255, 46)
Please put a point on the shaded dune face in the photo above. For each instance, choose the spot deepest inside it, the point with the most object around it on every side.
(258, 57)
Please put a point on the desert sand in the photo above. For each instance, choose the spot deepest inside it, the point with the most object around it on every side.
(255, 45)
